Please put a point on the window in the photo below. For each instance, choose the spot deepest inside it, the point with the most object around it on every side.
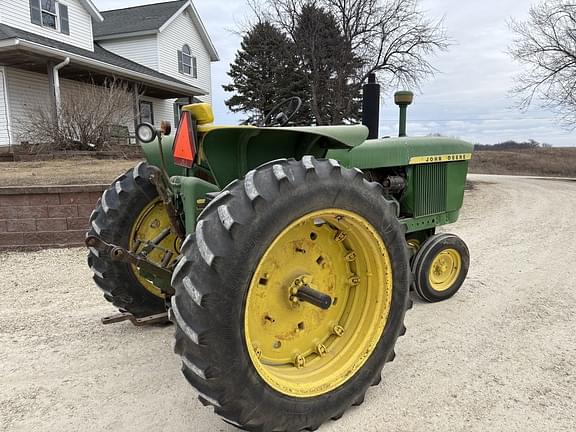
(51, 14)
(187, 62)
(146, 112)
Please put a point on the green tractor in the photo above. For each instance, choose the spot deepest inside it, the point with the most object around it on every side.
(284, 255)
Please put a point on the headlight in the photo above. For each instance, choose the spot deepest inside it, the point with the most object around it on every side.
(145, 132)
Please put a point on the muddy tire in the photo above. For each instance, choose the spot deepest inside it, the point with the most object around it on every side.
(216, 307)
(440, 267)
(113, 220)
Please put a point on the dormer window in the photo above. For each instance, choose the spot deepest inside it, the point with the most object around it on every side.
(187, 62)
(51, 14)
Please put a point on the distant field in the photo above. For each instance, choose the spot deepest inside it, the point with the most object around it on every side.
(554, 162)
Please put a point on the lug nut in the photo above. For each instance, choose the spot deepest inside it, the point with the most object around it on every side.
(351, 256)
(299, 361)
(340, 236)
(338, 330)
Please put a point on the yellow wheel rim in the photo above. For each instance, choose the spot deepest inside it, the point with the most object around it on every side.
(299, 349)
(151, 221)
(445, 269)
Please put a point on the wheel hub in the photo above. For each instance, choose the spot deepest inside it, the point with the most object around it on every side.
(302, 290)
(445, 269)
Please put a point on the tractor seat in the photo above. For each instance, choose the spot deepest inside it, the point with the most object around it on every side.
(204, 116)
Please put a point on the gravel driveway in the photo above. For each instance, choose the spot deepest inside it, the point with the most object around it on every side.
(500, 356)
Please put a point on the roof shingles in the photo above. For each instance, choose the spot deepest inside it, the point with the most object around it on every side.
(135, 19)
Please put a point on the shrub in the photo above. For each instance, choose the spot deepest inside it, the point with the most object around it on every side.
(88, 118)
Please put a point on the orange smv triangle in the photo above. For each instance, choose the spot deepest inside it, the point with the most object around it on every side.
(184, 150)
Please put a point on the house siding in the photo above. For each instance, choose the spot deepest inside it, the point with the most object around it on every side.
(27, 91)
(142, 49)
(16, 13)
(179, 32)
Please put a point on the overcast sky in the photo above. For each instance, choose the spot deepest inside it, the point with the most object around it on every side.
(468, 98)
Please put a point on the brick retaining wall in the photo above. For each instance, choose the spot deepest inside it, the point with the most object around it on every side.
(46, 216)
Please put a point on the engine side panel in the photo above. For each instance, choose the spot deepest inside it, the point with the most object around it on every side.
(393, 152)
(435, 170)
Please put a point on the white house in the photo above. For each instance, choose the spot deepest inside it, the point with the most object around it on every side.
(162, 49)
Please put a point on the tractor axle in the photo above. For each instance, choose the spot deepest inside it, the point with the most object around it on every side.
(308, 294)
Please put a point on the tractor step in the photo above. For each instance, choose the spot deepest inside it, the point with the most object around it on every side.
(138, 322)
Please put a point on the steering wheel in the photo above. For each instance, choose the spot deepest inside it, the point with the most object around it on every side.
(282, 112)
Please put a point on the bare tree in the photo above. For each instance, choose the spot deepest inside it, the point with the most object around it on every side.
(392, 38)
(86, 120)
(546, 45)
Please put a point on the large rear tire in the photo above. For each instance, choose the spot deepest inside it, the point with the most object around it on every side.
(263, 359)
(129, 210)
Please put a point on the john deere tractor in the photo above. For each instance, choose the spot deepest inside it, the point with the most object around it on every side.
(284, 255)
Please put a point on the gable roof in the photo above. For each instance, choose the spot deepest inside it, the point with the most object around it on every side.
(148, 19)
(100, 56)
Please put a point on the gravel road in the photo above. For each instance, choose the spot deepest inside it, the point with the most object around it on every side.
(500, 356)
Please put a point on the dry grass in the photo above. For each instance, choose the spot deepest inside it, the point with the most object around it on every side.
(547, 162)
(63, 172)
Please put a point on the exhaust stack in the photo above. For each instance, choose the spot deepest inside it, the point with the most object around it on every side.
(403, 99)
(371, 106)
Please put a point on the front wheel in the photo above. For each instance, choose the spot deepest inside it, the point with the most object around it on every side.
(290, 295)
(440, 267)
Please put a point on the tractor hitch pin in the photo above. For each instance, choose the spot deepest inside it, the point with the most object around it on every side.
(310, 295)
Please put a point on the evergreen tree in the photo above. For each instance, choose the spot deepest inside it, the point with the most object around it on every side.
(314, 62)
(329, 66)
(265, 71)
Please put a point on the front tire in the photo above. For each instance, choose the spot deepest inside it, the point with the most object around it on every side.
(440, 267)
(263, 360)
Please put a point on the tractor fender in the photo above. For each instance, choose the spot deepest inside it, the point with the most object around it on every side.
(231, 152)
